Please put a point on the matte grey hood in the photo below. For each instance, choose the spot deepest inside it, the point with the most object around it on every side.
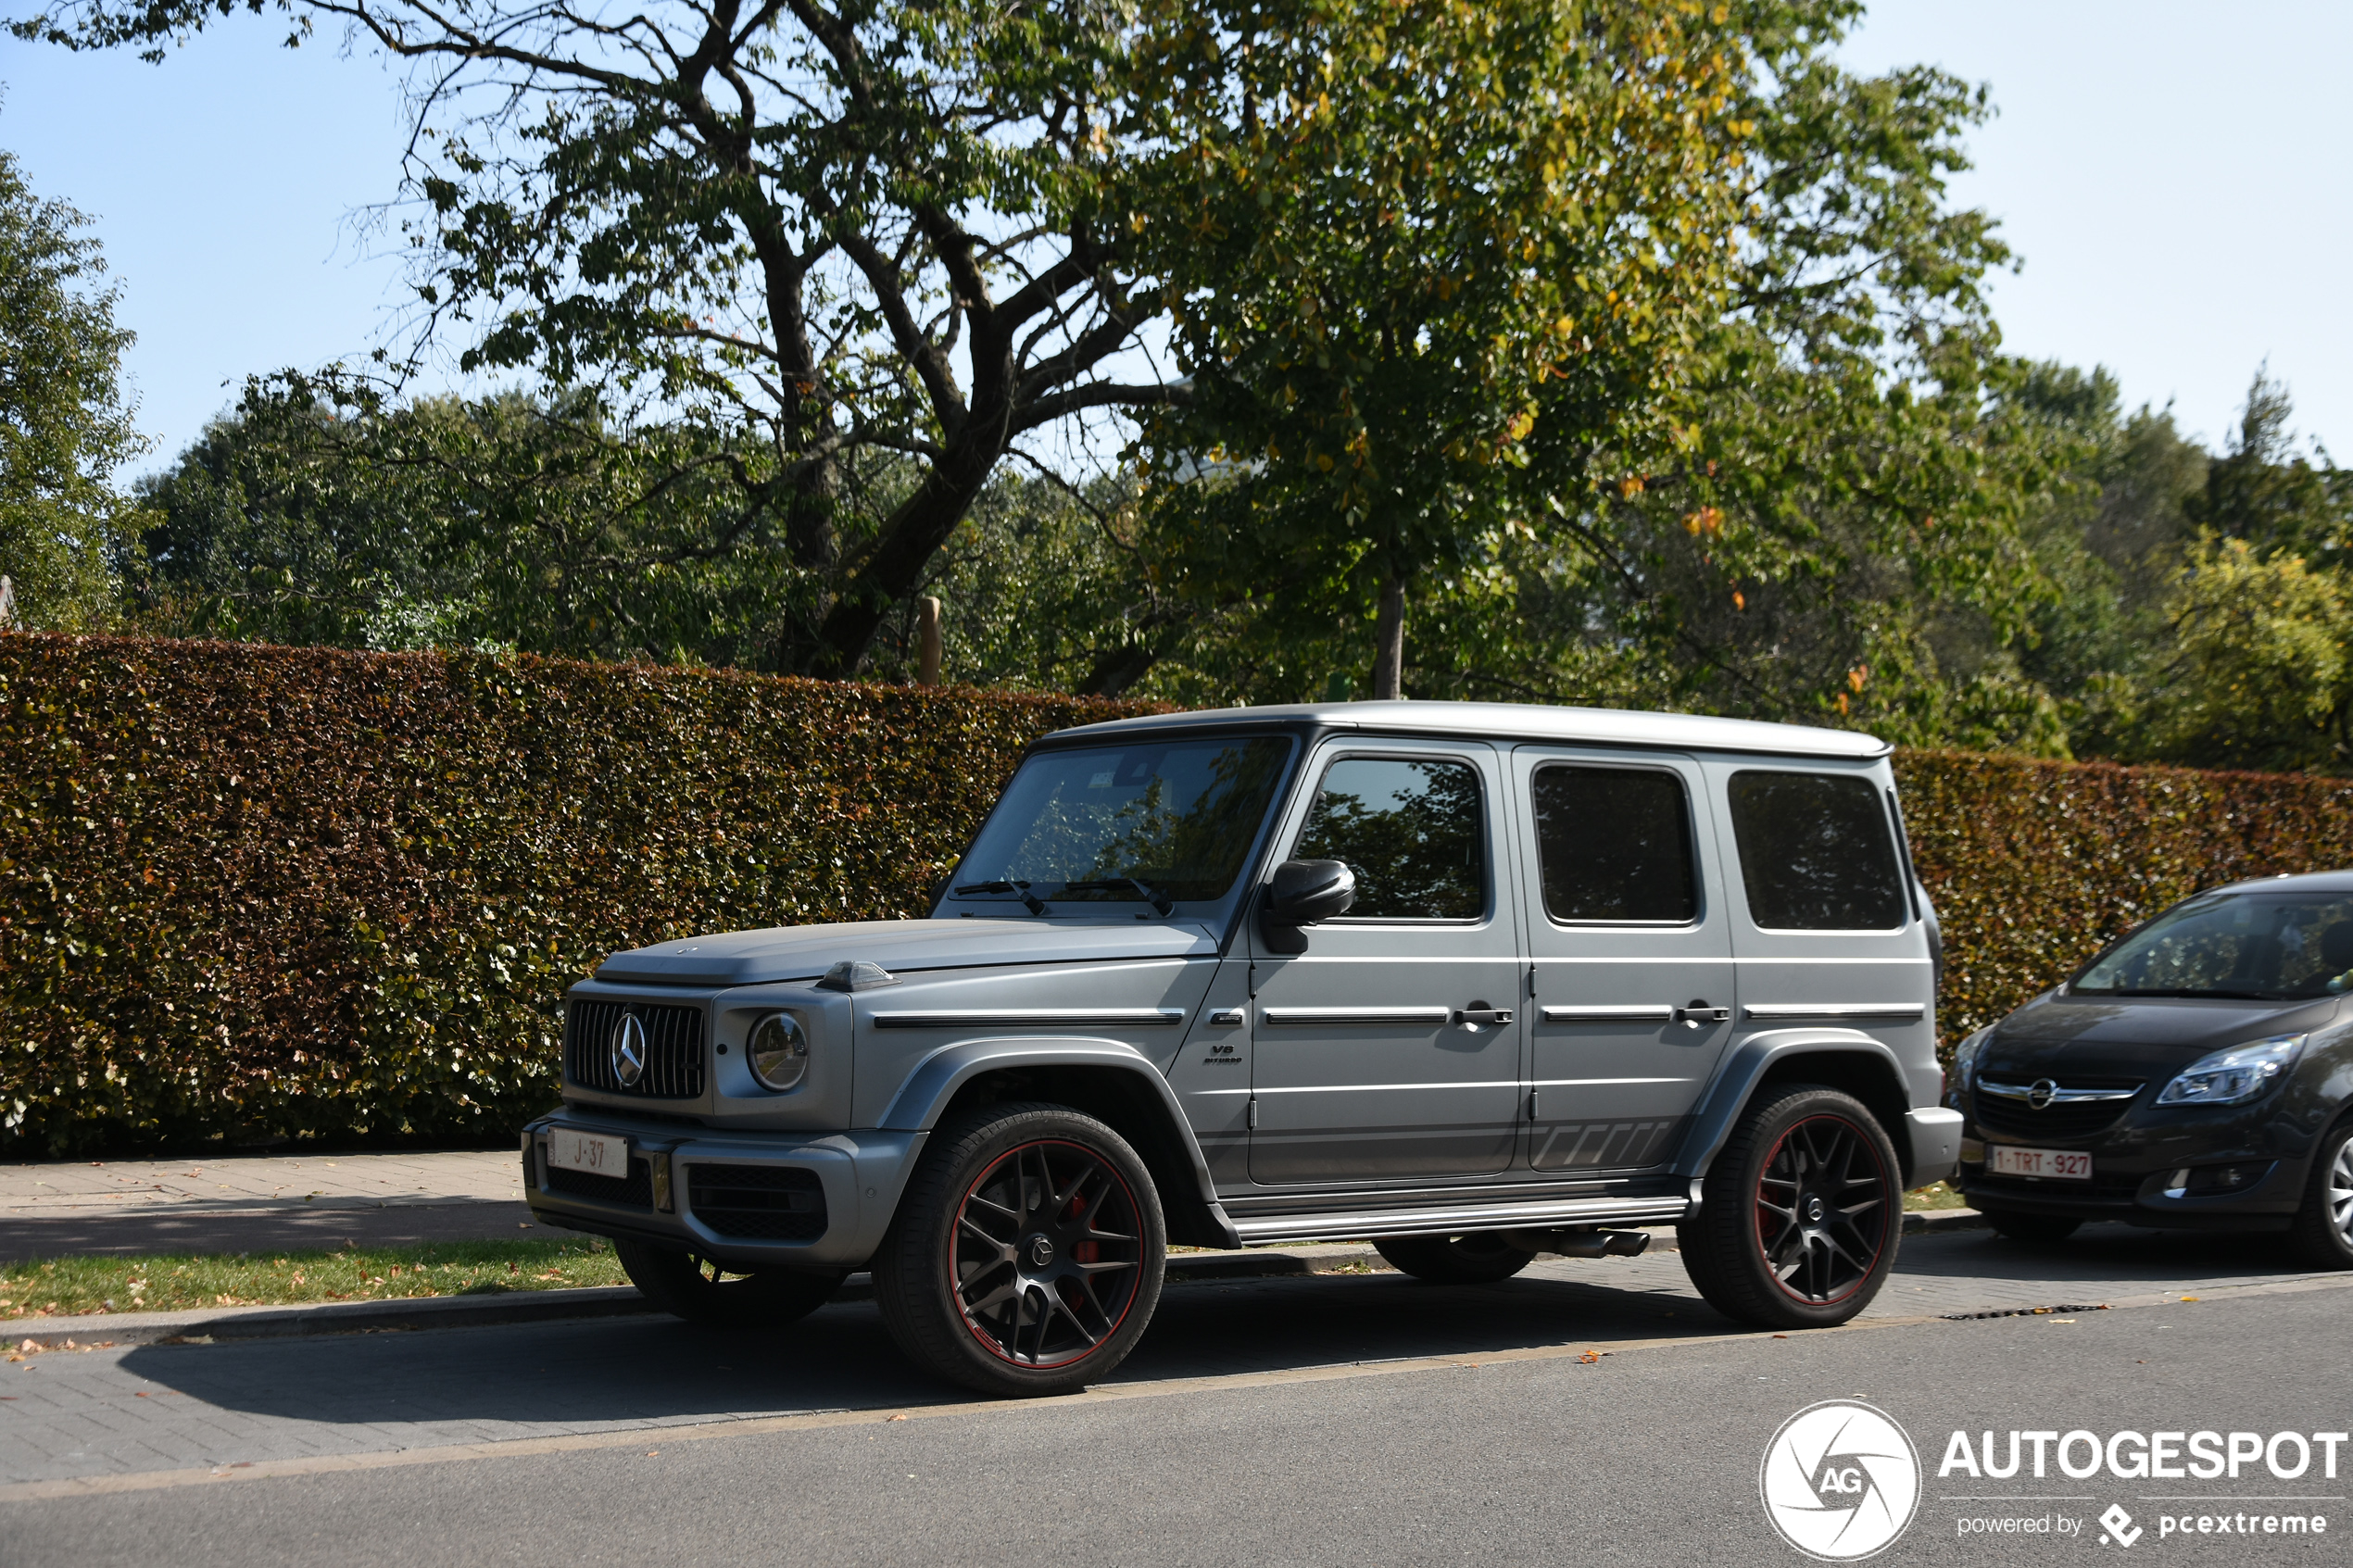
(804, 952)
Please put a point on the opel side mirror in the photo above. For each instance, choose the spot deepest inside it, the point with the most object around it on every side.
(1302, 893)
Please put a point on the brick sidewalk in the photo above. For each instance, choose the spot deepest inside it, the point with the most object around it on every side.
(250, 1202)
(243, 1184)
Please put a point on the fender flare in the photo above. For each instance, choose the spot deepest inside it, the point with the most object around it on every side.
(927, 1091)
(1746, 1067)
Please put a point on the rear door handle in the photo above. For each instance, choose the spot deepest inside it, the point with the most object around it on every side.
(1699, 1012)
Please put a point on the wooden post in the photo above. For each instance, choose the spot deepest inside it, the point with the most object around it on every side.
(927, 644)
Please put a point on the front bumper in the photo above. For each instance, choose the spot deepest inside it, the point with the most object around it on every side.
(744, 1200)
(2165, 1168)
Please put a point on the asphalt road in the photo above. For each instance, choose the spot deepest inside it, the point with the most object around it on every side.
(1602, 1416)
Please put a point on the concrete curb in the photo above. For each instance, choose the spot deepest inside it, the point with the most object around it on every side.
(411, 1314)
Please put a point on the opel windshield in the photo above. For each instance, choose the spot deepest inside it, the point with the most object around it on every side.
(2256, 946)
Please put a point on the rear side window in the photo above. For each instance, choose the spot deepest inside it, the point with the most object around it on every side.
(1815, 852)
(1413, 833)
(1614, 844)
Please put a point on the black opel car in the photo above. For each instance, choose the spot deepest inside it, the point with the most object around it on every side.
(2197, 1074)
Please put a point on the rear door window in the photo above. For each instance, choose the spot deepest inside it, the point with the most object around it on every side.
(1412, 831)
(1815, 852)
(1615, 845)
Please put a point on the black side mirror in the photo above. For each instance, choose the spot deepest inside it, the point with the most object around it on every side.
(1303, 893)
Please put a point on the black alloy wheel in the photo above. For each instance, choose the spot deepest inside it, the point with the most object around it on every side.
(1027, 1255)
(1800, 1213)
(704, 1291)
(2322, 1232)
(2039, 1230)
(1480, 1258)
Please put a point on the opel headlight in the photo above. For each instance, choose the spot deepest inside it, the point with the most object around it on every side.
(1965, 1058)
(779, 1051)
(2239, 1073)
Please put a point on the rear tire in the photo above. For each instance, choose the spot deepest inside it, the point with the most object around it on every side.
(1800, 1214)
(2040, 1230)
(1027, 1256)
(1480, 1258)
(2322, 1232)
(704, 1292)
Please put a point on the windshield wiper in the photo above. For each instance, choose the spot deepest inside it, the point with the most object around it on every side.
(1161, 902)
(2184, 991)
(1036, 905)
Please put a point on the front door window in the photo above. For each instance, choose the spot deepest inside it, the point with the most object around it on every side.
(1389, 1050)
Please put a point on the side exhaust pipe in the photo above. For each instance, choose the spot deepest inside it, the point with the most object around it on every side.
(1583, 1244)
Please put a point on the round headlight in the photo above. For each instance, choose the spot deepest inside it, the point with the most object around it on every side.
(779, 1053)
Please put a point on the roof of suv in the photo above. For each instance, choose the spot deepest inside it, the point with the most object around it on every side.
(1517, 721)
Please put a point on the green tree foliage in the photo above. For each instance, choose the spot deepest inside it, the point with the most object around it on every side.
(2261, 670)
(64, 426)
(825, 237)
(1434, 259)
(1809, 466)
(319, 512)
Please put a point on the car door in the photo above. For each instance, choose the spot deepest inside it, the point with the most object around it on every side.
(1631, 953)
(1364, 1065)
(1825, 930)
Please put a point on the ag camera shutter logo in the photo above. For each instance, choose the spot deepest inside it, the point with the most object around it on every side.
(1839, 1481)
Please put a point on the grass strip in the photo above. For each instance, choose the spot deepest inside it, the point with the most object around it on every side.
(178, 1281)
(1932, 1197)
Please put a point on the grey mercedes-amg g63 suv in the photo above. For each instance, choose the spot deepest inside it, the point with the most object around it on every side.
(1475, 981)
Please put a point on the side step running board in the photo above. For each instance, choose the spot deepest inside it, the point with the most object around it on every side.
(1553, 1214)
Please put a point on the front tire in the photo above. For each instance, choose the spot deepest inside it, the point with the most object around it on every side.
(704, 1292)
(2322, 1232)
(1800, 1213)
(1027, 1256)
(1476, 1258)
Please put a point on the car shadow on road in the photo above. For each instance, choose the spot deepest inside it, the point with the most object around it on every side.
(525, 1379)
(636, 1371)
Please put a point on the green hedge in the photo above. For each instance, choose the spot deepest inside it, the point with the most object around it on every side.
(249, 894)
(252, 893)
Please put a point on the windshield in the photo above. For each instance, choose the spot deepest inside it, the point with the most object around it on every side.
(2270, 946)
(1155, 821)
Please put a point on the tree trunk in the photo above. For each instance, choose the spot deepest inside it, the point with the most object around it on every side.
(888, 570)
(1389, 643)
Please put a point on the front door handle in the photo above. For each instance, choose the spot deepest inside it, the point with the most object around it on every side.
(1479, 1014)
(1699, 1013)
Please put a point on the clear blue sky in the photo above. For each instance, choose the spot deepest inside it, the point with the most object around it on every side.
(2171, 174)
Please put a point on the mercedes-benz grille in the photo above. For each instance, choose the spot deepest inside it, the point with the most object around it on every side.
(672, 1068)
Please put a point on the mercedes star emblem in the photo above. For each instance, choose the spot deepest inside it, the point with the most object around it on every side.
(629, 1050)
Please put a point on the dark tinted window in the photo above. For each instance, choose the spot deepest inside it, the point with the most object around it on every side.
(1816, 853)
(1614, 844)
(1411, 832)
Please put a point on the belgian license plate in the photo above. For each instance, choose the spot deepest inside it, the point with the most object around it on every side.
(593, 1152)
(2064, 1165)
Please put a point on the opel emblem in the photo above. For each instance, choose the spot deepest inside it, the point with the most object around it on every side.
(629, 1050)
(2041, 1093)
